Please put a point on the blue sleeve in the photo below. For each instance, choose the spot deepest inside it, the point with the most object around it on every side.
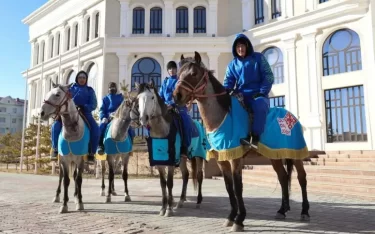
(161, 90)
(266, 76)
(229, 79)
(103, 112)
(93, 103)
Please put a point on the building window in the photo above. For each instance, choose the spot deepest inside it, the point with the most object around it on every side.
(182, 20)
(342, 53)
(15, 110)
(76, 35)
(2, 120)
(52, 42)
(274, 57)
(92, 72)
(2, 130)
(36, 51)
(345, 114)
(71, 77)
(200, 20)
(276, 8)
(156, 20)
(14, 120)
(88, 29)
(277, 101)
(68, 40)
(3, 109)
(138, 20)
(58, 44)
(43, 45)
(321, 1)
(97, 25)
(259, 11)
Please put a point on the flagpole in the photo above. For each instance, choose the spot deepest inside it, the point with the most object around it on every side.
(24, 121)
(38, 132)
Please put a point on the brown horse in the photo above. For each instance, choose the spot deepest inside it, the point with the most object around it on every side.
(197, 82)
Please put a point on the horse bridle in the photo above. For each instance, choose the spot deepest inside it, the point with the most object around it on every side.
(64, 102)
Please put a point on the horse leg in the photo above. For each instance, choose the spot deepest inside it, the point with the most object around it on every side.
(102, 162)
(58, 191)
(110, 177)
(227, 174)
(199, 169)
(75, 185)
(125, 162)
(114, 172)
(169, 211)
(80, 167)
(236, 169)
(185, 180)
(283, 180)
(65, 169)
(305, 216)
(163, 185)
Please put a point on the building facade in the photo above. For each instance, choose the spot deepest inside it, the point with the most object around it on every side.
(315, 48)
(11, 115)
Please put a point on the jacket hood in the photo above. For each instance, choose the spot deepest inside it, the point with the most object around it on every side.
(249, 46)
(82, 72)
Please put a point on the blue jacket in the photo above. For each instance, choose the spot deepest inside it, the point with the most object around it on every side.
(84, 96)
(166, 91)
(110, 104)
(250, 75)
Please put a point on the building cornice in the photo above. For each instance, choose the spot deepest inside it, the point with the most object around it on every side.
(42, 11)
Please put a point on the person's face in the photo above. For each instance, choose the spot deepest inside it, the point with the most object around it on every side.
(112, 89)
(82, 79)
(241, 50)
(172, 71)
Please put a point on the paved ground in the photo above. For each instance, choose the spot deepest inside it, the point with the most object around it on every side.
(26, 207)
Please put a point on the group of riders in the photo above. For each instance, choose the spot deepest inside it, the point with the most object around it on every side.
(248, 76)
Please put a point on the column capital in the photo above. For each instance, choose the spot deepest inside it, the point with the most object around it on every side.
(309, 34)
(124, 1)
(168, 54)
(168, 3)
(213, 55)
(82, 13)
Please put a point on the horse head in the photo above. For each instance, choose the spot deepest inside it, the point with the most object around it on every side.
(58, 101)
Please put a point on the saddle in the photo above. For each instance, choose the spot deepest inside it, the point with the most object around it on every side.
(80, 112)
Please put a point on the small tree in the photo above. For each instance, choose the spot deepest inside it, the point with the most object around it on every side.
(124, 87)
(10, 149)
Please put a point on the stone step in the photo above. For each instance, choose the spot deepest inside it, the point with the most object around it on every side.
(348, 163)
(343, 160)
(346, 156)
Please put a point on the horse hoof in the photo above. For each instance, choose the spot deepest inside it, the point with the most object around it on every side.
(228, 223)
(169, 213)
(108, 200)
(180, 204)
(63, 209)
(102, 193)
(114, 194)
(279, 216)
(56, 199)
(127, 198)
(198, 206)
(305, 218)
(237, 228)
(79, 206)
(162, 212)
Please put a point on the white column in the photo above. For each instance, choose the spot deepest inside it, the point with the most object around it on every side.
(81, 28)
(191, 21)
(166, 57)
(168, 18)
(312, 121)
(246, 9)
(123, 75)
(290, 77)
(267, 11)
(124, 31)
(213, 59)
(33, 57)
(147, 21)
(309, 5)
(288, 10)
(212, 18)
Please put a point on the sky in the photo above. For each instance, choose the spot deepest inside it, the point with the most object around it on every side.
(15, 50)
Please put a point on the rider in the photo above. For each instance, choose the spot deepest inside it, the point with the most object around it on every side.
(110, 104)
(250, 75)
(166, 93)
(85, 99)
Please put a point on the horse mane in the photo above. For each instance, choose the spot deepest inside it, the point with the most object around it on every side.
(120, 109)
(223, 100)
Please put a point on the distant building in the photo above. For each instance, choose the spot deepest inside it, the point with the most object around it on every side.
(11, 114)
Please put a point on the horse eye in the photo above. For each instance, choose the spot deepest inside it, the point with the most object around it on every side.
(58, 95)
(153, 97)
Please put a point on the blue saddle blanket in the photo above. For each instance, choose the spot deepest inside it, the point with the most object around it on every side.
(115, 147)
(78, 148)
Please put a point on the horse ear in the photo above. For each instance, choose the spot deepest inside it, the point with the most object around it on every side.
(151, 83)
(69, 85)
(136, 85)
(182, 57)
(197, 58)
(54, 85)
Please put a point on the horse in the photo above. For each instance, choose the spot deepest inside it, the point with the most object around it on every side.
(118, 145)
(73, 140)
(164, 145)
(282, 137)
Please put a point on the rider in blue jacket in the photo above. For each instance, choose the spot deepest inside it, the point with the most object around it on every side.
(110, 104)
(85, 99)
(250, 74)
(166, 93)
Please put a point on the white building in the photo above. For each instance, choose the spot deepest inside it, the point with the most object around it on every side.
(11, 115)
(321, 52)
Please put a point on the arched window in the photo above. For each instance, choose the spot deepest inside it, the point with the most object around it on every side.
(88, 29)
(138, 20)
(200, 19)
(76, 35)
(182, 20)
(58, 43)
(92, 72)
(342, 53)
(97, 25)
(259, 11)
(71, 77)
(156, 20)
(42, 45)
(68, 39)
(36, 54)
(51, 42)
(274, 57)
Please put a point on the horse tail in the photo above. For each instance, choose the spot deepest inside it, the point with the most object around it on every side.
(194, 172)
(289, 170)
